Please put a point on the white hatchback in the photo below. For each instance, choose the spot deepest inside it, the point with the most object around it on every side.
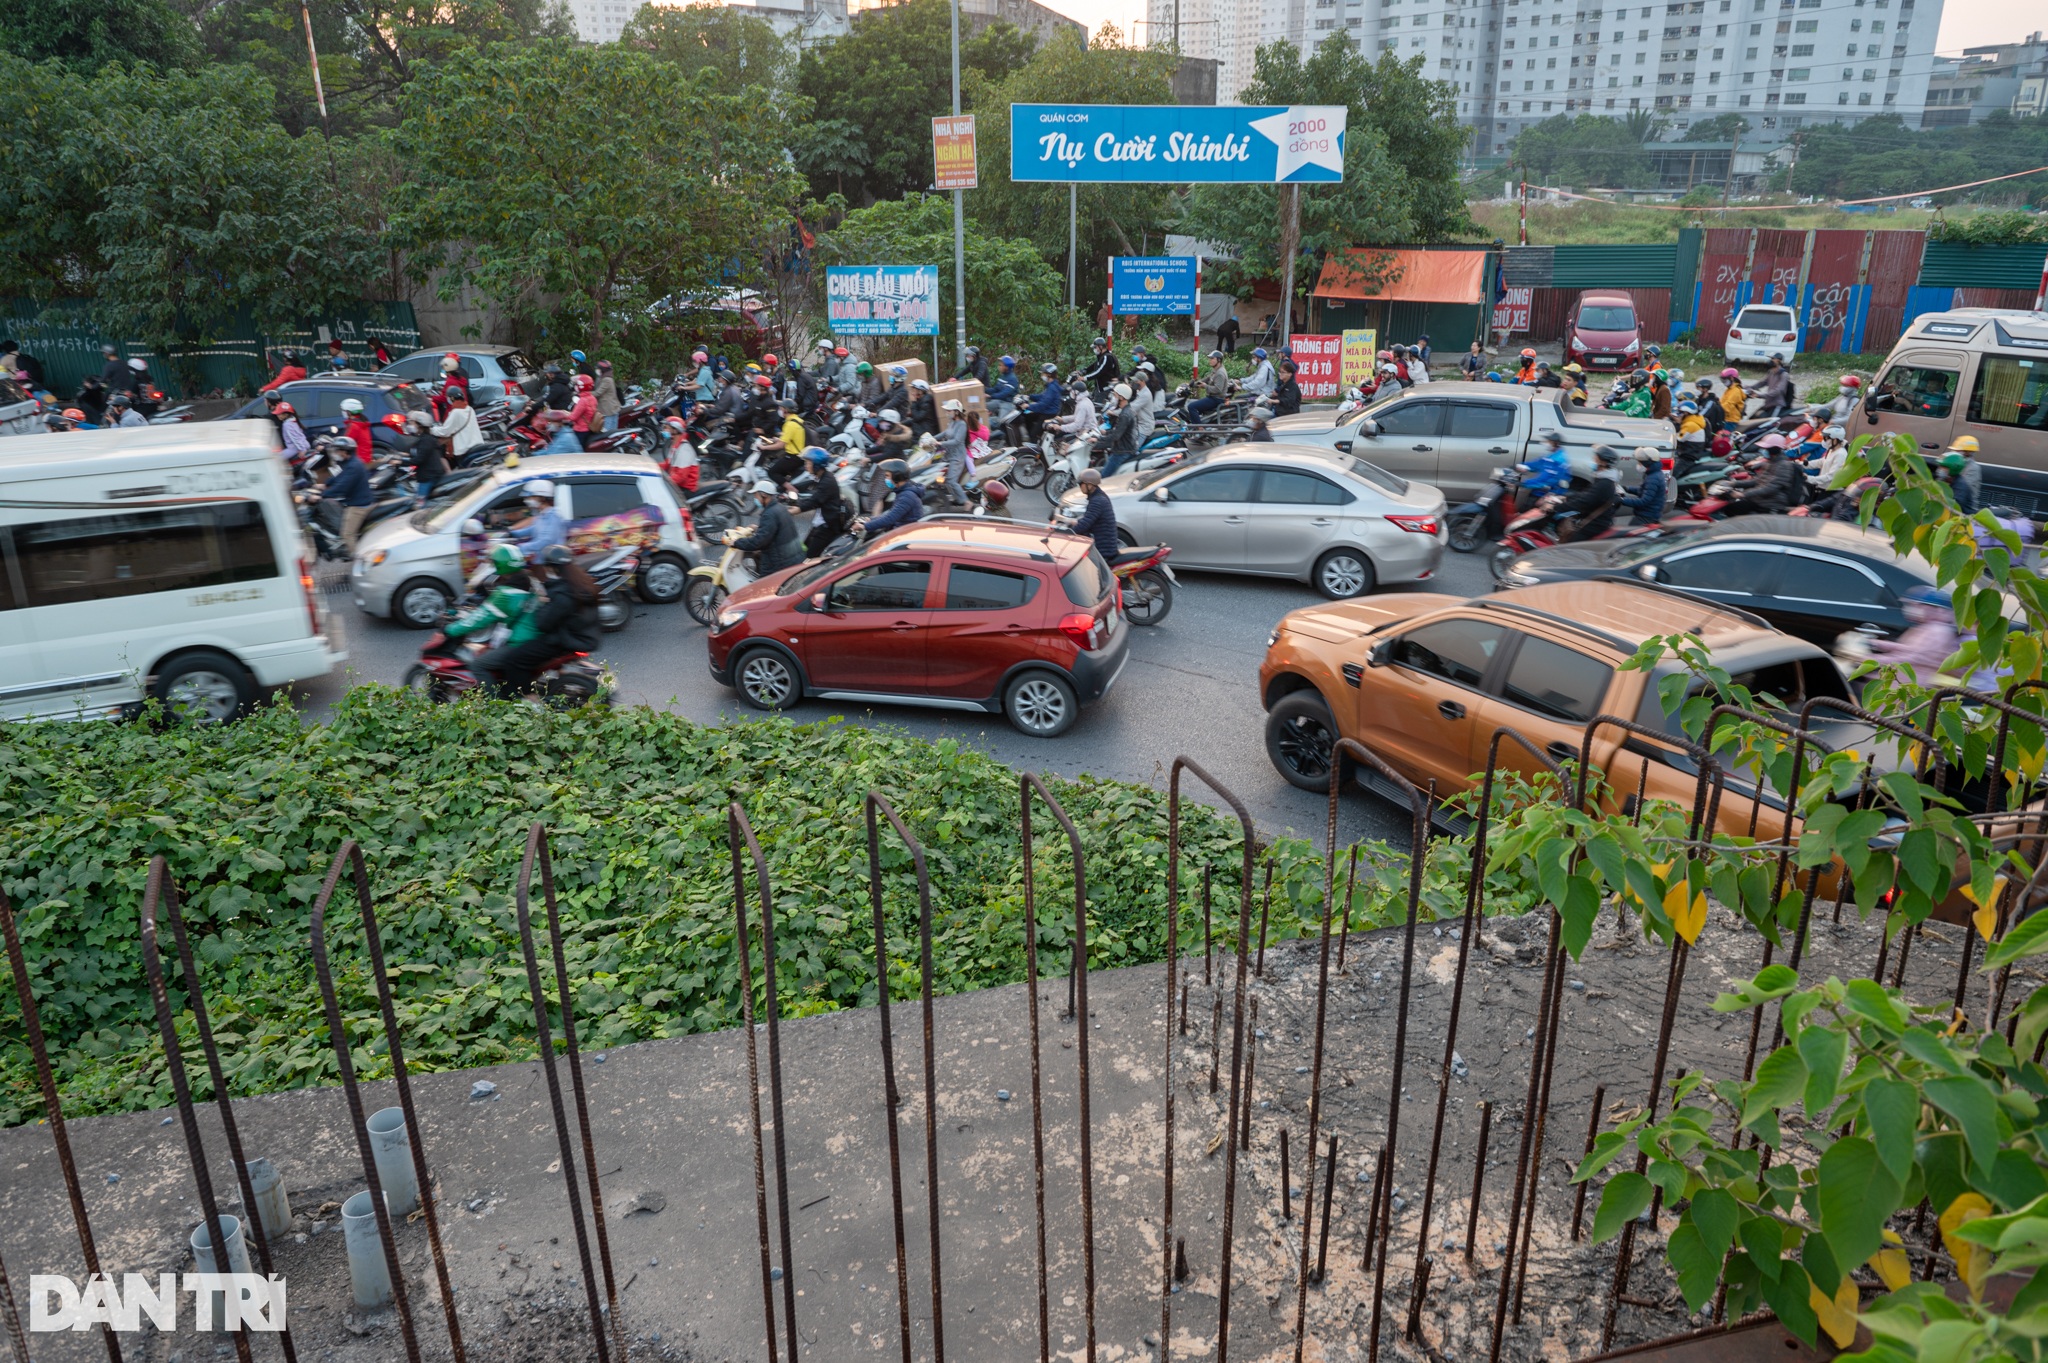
(1761, 332)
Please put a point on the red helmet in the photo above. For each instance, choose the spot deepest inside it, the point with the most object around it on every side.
(1851, 381)
(284, 409)
(584, 383)
(1527, 353)
(840, 351)
(769, 359)
(764, 381)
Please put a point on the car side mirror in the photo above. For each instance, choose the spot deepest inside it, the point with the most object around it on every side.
(1870, 407)
(1380, 654)
(472, 526)
(1369, 428)
(1163, 496)
(1648, 572)
(817, 601)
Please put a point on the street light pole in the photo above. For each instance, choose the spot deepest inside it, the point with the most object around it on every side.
(959, 225)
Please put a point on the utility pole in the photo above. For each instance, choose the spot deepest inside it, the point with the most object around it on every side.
(1073, 233)
(1728, 180)
(1290, 247)
(959, 224)
(1523, 210)
(319, 92)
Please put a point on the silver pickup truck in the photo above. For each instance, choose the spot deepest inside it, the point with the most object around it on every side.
(19, 413)
(1456, 434)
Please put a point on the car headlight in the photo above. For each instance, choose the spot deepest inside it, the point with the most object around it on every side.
(727, 619)
(375, 560)
(1274, 637)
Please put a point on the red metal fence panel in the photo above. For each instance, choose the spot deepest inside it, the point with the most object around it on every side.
(1835, 295)
(1894, 266)
(1774, 271)
(1722, 287)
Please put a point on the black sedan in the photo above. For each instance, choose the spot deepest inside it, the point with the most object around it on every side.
(318, 403)
(1813, 578)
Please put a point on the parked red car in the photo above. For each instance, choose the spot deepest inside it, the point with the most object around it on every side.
(1602, 332)
(954, 612)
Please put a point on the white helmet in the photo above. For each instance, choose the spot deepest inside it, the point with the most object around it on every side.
(764, 487)
(1646, 456)
(1123, 390)
(352, 406)
(1835, 433)
(139, 365)
(889, 417)
(540, 489)
(920, 385)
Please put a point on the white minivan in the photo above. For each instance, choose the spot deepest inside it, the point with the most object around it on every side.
(163, 561)
(1762, 332)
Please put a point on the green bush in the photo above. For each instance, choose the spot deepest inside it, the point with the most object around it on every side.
(250, 817)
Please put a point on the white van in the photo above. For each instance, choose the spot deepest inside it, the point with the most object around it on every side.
(1762, 332)
(164, 561)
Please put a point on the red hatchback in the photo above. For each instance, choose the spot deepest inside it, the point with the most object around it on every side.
(959, 613)
(1602, 332)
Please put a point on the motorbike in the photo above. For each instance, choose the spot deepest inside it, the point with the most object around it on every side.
(447, 670)
(1485, 517)
(1144, 579)
(322, 521)
(711, 583)
(614, 574)
(1063, 470)
(1535, 529)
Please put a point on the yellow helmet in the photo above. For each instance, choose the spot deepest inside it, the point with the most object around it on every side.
(1573, 369)
(1966, 443)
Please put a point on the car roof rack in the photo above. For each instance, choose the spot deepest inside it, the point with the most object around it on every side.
(1552, 618)
(1747, 617)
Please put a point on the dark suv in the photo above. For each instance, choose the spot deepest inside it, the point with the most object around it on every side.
(954, 612)
(318, 404)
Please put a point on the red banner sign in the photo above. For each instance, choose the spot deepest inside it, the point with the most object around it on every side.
(1511, 313)
(953, 152)
(1316, 360)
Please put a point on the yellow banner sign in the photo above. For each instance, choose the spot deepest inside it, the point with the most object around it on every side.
(1355, 364)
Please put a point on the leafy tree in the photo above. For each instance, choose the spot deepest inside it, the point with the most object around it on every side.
(88, 34)
(1013, 296)
(741, 50)
(1586, 150)
(1719, 128)
(1383, 198)
(172, 199)
(1883, 156)
(881, 85)
(1111, 219)
(588, 181)
(1642, 125)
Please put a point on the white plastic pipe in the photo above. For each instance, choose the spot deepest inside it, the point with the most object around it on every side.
(368, 1274)
(394, 1160)
(213, 1311)
(273, 1210)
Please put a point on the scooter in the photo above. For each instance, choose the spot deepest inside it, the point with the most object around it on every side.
(1536, 529)
(447, 669)
(711, 583)
(1484, 518)
(1144, 581)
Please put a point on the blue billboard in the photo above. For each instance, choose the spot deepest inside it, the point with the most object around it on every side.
(1176, 144)
(882, 300)
(1162, 286)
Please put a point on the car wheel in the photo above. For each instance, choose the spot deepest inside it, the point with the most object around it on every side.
(615, 612)
(1126, 538)
(766, 679)
(1342, 573)
(1041, 704)
(1300, 736)
(1029, 469)
(421, 681)
(1148, 597)
(1468, 532)
(204, 688)
(662, 581)
(421, 603)
(703, 599)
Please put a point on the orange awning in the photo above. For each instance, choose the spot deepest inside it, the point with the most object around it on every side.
(1413, 276)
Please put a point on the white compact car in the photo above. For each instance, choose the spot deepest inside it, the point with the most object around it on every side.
(165, 561)
(411, 568)
(1761, 332)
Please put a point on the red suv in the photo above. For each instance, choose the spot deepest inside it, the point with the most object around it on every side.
(960, 613)
(1602, 332)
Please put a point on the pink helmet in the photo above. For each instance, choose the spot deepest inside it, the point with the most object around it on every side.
(1731, 372)
(699, 357)
(1771, 442)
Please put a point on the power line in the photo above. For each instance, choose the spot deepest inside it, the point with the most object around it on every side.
(1780, 208)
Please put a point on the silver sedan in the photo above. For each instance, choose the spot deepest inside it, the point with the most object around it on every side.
(1336, 522)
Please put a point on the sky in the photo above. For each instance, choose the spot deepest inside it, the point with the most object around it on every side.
(1964, 23)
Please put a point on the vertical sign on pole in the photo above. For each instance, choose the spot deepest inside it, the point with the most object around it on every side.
(953, 156)
(959, 236)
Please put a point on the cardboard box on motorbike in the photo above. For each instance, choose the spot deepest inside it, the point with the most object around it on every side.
(968, 392)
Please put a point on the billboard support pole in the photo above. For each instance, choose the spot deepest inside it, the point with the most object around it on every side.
(1073, 235)
(959, 226)
(1290, 240)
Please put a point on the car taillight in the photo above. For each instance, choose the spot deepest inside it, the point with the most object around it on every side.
(312, 601)
(1790, 337)
(1734, 335)
(1415, 525)
(1083, 629)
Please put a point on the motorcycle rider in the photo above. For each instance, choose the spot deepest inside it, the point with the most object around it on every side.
(1102, 370)
(460, 428)
(846, 377)
(953, 447)
(773, 540)
(1145, 405)
(565, 622)
(825, 500)
(1216, 386)
(1525, 374)
(290, 431)
(545, 526)
(291, 368)
(797, 387)
(583, 410)
(1647, 502)
(1083, 419)
(1098, 518)
(121, 411)
(1259, 384)
(975, 368)
(924, 413)
(356, 429)
(1834, 453)
(906, 506)
(1733, 399)
(1260, 435)
(1965, 477)
(1287, 394)
(1002, 396)
(898, 394)
(510, 602)
(1594, 504)
(1774, 489)
(871, 386)
(1119, 445)
(348, 486)
(1047, 405)
(1660, 395)
(704, 385)
(1639, 401)
(1548, 472)
(896, 438)
(1928, 640)
(555, 388)
(560, 438)
(1776, 394)
(429, 465)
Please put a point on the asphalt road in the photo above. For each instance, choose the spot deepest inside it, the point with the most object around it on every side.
(1191, 689)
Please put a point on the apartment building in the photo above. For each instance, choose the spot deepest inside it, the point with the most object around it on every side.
(2001, 76)
(1784, 64)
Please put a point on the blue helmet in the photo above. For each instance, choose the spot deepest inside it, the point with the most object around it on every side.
(1008, 362)
(817, 456)
(577, 356)
(1258, 352)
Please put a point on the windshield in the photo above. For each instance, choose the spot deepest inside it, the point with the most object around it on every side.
(445, 508)
(1764, 317)
(1614, 318)
(1378, 477)
(1151, 476)
(799, 582)
(515, 363)
(407, 398)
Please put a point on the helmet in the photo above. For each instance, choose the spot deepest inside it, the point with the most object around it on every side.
(584, 383)
(974, 350)
(1543, 365)
(139, 365)
(1851, 381)
(815, 455)
(863, 368)
(1215, 354)
(763, 381)
(769, 359)
(1123, 390)
(1660, 376)
(577, 356)
(1966, 443)
(506, 558)
(551, 368)
(996, 490)
(539, 490)
(1771, 442)
(1689, 408)
(752, 368)
(1493, 376)
(1100, 344)
(1731, 372)
(1653, 350)
(888, 416)
(895, 468)
(1258, 352)
(352, 406)
(1089, 477)
(675, 423)
(110, 351)
(1553, 439)
(1817, 412)
(825, 346)
(284, 409)
(1527, 353)
(558, 556)
(1049, 369)
(897, 371)
(1646, 456)
(1136, 351)
(1605, 454)
(955, 405)
(1145, 367)
(1008, 361)
(699, 357)
(119, 399)
(920, 385)
(1954, 460)
(840, 352)
(338, 362)
(764, 487)
(450, 362)
(1835, 433)
(1574, 368)
(1639, 377)
(1384, 355)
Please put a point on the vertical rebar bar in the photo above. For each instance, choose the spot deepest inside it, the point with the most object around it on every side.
(1037, 1077)
(1549, 1066)
(1208, 942)
(10, 1315)
(1215, 1044)
(53, 1112)
(1265, 913)
(1286, 1184)
(1251, 1055)
(1350, 884)
(1478, 1176)
(1372, 1208)
(1329, 1185)
(1592, 1134)
(891, 1097)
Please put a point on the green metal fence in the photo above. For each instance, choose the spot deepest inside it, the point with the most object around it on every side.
(64, 337)
(1960, 265)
